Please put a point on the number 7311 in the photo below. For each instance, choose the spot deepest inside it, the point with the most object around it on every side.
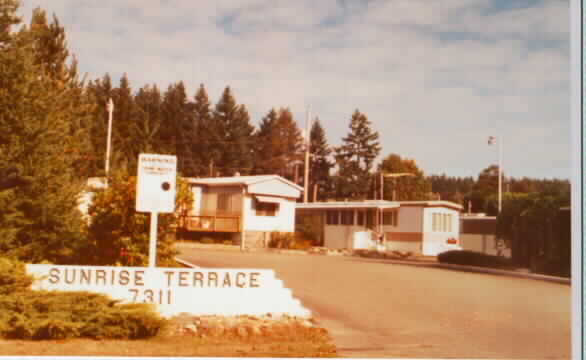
(151, 296)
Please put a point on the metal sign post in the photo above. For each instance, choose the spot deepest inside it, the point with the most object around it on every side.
(155, 192)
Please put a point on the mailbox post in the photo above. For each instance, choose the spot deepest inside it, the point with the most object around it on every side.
(155, 192)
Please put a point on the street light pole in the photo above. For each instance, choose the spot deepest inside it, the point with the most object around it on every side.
(491, 141)
(306, 172)
(392, 175)
(110, 111)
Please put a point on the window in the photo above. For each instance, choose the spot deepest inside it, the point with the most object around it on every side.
(360, 218)
(223, 202)
(388, 218)
(441, 222)
(265, 208)
(332, 217)
(347, 217)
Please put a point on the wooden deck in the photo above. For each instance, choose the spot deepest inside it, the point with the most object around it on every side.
(212, 222)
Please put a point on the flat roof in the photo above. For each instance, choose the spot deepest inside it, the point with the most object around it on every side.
(376, 204)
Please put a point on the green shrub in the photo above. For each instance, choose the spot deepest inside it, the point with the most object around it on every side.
(13, 277)
(466, 257)
(39, 315)
(207, 240)
(121, 235)
(282, 240)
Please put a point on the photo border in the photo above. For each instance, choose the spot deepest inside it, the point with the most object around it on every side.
(578, 136)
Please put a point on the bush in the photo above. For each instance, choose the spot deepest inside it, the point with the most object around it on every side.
(282, 240)
(41, 315)
(466, 257)
(120, 235)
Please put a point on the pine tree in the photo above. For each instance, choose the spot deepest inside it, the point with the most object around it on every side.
(202, 157)
(38, 116)
(177, 131)
(148, 120)
(265, 159)
(354, 158)
(123, 122)
(320, 162)
(232, 136)
(99, 92)
(287, 145)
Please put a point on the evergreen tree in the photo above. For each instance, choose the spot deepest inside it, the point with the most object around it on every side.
(287, 146)
(37, 117)
(148, 122)
(201, 147)
(177, 131)
(99, 91)
(123, 119)
(265, 159)
(320, 163)
(354, 158)
(8, 18)
(232, 136)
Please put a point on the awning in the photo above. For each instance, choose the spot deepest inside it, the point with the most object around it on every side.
(268, 199)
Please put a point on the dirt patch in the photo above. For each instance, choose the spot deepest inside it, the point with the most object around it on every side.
(201, 336)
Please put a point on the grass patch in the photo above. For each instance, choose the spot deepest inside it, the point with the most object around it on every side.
(173, 346)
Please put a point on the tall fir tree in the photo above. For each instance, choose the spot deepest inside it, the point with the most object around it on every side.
(176, 134)
(232, 136)
(99, 91)
(288, 146)
(148, 104)
(321, 163)
(122, 124)
(355, 157)
(202, 157)
(265, 159)
(38, 115)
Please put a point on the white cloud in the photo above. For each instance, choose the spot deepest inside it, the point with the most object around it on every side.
(434, 78)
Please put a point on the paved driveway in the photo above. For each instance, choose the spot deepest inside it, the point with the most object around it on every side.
(377, 309)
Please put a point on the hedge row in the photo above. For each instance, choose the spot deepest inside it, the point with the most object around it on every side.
(40, 315)
(466, 257)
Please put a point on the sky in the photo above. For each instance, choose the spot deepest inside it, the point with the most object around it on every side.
(435, 78)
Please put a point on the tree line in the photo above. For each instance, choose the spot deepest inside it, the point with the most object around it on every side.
(54, 127)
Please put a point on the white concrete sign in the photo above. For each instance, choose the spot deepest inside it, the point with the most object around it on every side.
(155, 187)
(177, 290)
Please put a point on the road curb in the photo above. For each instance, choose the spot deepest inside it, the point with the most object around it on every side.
(478, 269)
(186, 263)
(559, 280)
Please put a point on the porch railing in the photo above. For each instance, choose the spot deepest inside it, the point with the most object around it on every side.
(212, 222)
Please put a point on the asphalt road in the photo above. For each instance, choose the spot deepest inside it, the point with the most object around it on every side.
(377, 309)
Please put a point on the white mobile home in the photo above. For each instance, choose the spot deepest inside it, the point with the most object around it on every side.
(254, 206)
(420, 227)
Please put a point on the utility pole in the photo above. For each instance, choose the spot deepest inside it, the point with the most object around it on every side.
(491, 141)
(110, 108)
(306, 173)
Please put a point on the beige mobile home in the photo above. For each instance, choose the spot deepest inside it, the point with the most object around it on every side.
(254, 206)
(420, 227)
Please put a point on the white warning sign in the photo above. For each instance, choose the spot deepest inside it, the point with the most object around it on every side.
(155, 186)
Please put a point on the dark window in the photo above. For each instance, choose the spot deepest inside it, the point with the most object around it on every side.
(223, 202)
(332, 218)
(265, 208)
(347, 217)
(387, 218)
(360, 218)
